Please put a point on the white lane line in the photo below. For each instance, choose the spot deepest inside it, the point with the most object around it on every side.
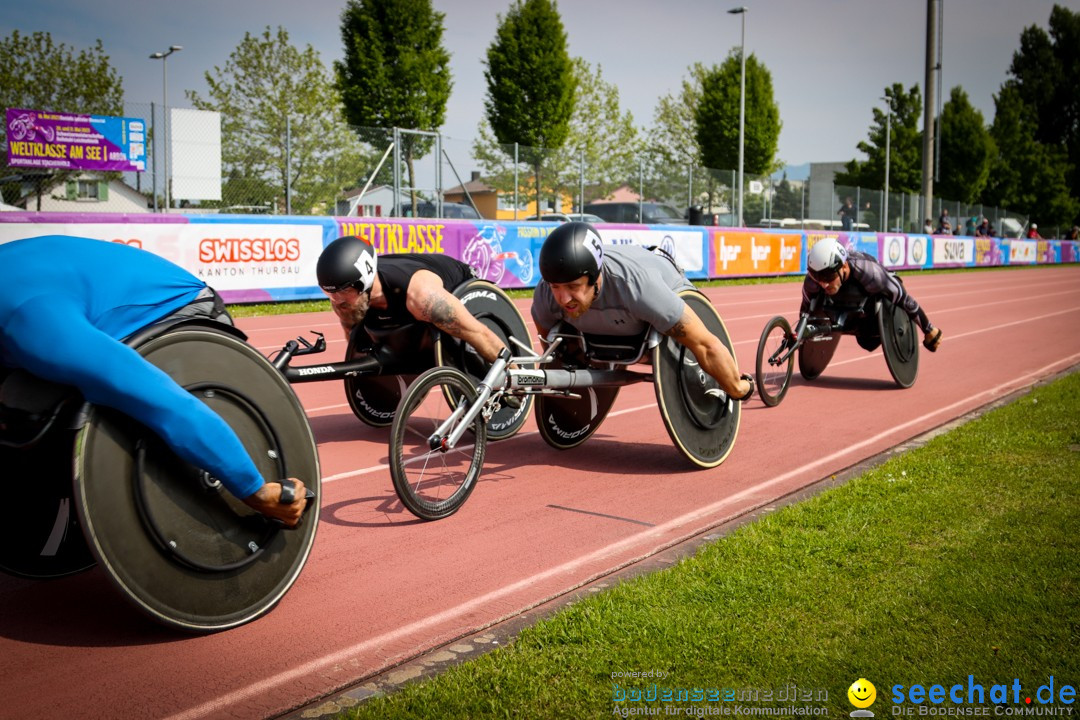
(658, 532)
(858, 358)
(518, 436)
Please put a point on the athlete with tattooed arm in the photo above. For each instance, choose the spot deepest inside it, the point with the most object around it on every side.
(395, 289)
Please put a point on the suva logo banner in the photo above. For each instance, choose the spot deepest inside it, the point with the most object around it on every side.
(958, 251)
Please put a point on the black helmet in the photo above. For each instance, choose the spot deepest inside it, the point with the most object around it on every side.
(347, 262)
(571, 250)
(825, 259)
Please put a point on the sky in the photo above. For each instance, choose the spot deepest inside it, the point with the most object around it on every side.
(830, 59)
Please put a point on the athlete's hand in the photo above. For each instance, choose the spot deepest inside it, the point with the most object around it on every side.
(267, 500)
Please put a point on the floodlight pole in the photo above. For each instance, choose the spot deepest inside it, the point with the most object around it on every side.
(742, 104)
(163, 57)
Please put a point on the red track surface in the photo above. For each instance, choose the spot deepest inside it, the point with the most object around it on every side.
(381, 587)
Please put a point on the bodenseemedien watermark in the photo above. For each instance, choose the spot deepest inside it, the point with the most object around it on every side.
(652, 699)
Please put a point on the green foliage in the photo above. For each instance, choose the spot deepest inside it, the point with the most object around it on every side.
(395, 73)
(531, 83)
(787, 202)
(716, 118)
(37, 74)
(599, 130)
(905, 146)
(269, 90)
(1027, 176)
(1045, 75)
(966, 150)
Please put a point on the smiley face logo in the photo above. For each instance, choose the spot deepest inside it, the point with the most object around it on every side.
(862, 693)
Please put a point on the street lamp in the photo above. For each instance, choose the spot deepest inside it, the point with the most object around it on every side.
(888, 137)
(742, 102)
(163, 57)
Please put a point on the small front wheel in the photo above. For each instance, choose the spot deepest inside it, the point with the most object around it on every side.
(431, 480)
(773, 379)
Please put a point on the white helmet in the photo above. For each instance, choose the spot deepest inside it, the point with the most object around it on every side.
(825, 259)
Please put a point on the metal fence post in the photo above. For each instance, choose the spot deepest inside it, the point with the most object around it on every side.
(288, 166)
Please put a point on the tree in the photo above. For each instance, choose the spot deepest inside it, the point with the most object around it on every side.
(717, 117)
(36, 74)
(281, 122)
(1045, 74)
(530, 83)
(600, 134)
(786, 201)
(966, 150)
(395, 74)
(673, 145)
(905, 146)
(1027, 176)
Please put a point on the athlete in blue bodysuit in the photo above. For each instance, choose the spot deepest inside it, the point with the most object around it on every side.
(65, 305)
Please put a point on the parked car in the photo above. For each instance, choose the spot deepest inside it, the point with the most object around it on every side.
(455, 211)
(563, 217)
(627, 212)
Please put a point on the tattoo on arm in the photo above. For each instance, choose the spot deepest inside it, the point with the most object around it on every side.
(678, 330)
(443, 317)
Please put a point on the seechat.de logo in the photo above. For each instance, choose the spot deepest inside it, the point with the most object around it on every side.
(862, 694)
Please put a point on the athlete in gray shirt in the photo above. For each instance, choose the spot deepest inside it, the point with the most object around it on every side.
(621, 290)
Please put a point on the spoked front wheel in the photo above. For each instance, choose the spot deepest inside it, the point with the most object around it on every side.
(432, 480)
(773, 379)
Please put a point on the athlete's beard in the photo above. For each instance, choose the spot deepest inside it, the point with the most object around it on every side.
(359, 309)
(584, 305)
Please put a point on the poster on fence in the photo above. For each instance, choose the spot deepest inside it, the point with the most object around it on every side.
(65, 141)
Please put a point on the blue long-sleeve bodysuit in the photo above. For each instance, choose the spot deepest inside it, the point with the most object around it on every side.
(65, 305)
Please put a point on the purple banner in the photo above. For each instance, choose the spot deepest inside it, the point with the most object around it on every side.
(63, 141)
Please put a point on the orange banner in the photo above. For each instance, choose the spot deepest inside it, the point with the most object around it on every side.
(741, 252)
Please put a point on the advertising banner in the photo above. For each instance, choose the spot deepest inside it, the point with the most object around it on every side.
(741, 252)
(1070, 251)
(1022, 252)
(953, 251)
(504, 253)
(246, 261)
(1049, 251)
(988, 251)
(64, 141)
(686, 246)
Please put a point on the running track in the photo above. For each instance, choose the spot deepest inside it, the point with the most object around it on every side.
(381, 587)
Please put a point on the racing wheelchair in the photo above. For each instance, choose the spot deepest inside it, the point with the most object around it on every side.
(98, 488)
(439, 434)
(381, 362)
(872, 320)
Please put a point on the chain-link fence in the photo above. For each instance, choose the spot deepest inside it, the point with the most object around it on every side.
(385, 173)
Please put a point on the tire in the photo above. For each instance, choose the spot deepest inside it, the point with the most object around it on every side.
(434, 484)
(180, 549)
(899, 343)
(773, 380)
(702, 428)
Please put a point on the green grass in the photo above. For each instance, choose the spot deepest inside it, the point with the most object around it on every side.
(958, 558)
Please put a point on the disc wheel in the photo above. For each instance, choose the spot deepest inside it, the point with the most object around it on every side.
(773, 380)
(702, 424)
(168, 536)
(433, 482)
(899, 343)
